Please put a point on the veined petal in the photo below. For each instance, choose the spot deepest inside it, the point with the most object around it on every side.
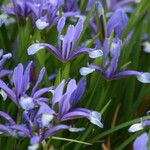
(95, 53)
(95, 118)
(41, 24)
(136, 127)
(144, 78)
(84, 71)
(34, 48)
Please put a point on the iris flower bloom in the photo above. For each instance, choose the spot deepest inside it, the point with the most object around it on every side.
(110, 63)
(31, 128)
(36, 121)
(42, 12)
(3, 59)
(142, 140)
(21, 82)
(66, 49)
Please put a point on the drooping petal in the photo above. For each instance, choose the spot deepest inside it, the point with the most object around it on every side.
(5, 73)
(136, 127)
(41, 24)
(22, 129)
(9, 92)
(6, 129)
(127, 73)
(84, 71)
(144, 77)
(93, 116)
(95, 54)
(54, 130)
(7, 118)
(34, 48)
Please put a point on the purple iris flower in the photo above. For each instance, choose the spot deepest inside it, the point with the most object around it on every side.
(31, 128)
(111, 54)
(42, 12)
(142, 140)
(21, 82)
(68, 100)
(66, 49)
(3, 59)
(18, 7)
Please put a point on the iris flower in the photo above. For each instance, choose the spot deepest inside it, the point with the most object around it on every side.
(141, 142)
(67, 48)
(111, 54)
(21, 82)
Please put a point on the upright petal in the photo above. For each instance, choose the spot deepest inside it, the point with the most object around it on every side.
(18, 79)
(58, 93)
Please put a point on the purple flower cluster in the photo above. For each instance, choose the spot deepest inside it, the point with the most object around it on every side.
(40, 116)
(37, 113)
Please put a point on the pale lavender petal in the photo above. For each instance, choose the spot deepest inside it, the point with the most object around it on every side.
(35, 140)
(141, 142)
(77, 94)
(58, 93)
(26, 77)
(18, 79)
(84, 71)
(144, 77)
(40, 78)
(61, 24)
